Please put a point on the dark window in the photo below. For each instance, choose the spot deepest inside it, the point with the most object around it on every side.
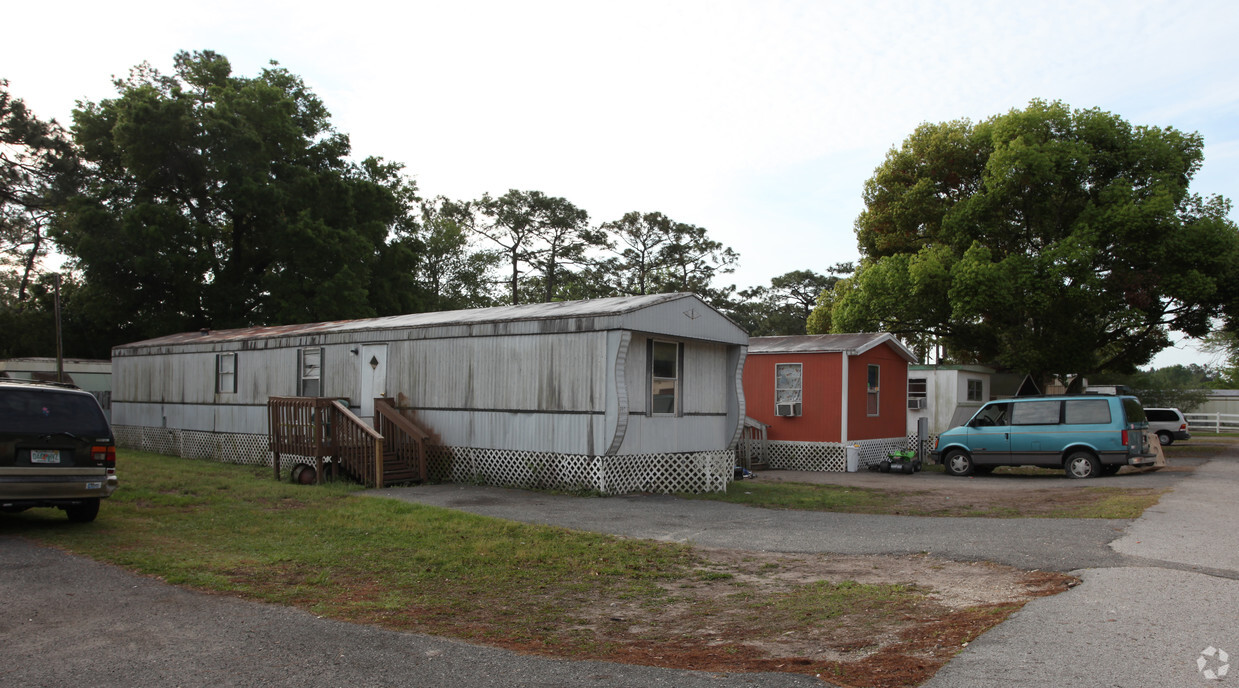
(872, 405)
(1087, 411)
(1133, 410)
(918, 388)
(29, 411)
(992, 414)
(1036, 413)
(664, 376)
(976, 390)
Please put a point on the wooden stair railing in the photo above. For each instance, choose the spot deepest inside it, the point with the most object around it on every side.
(317, 427)
(406, 442)
(359, 447)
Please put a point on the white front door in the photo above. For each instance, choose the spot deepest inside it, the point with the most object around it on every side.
(373, 376)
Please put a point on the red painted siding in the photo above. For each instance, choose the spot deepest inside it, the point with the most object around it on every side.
(892, 418)
(822, 405)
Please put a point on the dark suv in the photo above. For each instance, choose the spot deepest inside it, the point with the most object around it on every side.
(56, 449)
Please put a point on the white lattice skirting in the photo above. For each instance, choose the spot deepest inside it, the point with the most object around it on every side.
(829, 456)
(708, 471)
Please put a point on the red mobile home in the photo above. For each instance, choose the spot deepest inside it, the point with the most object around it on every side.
(819, 394)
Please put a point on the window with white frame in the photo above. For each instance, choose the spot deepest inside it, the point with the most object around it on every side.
(310, 372)
(871, 397)
(788, 389)
(976, 390)
(225, 373)
(664, 376)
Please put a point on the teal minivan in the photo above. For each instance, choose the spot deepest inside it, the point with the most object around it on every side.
(1086, 436)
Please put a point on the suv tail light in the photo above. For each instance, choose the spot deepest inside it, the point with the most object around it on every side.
(104, 454)
(1124, 438)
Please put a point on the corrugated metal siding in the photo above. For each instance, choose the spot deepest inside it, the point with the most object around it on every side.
(542, 391)
(565, 372)
(637, 376)
(708, 381)
(667, 434)
(709, 401)
(190, 377)
(550, 432)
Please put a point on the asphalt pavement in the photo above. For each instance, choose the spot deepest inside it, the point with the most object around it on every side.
(1172, 621)
(1158, 606)
(1053, 544)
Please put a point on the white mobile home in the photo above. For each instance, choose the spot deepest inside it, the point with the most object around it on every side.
(617, 395)
(947, 395)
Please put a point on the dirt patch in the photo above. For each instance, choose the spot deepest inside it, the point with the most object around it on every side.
(1006, 493)
(1025, 504)
(910, 616)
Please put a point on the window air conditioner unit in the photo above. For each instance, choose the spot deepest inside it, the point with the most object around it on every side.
(787, 409)
(916, 403)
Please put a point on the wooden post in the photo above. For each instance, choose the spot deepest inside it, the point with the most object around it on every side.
(317, 426)
(273, 426)
(378, 462)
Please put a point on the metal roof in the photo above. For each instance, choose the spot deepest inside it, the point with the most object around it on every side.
(561, 310)
(850, 344)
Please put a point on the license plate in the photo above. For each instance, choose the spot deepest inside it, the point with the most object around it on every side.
(94, 486)
(44, 456)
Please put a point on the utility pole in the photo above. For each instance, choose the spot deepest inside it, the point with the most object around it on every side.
(60, 359)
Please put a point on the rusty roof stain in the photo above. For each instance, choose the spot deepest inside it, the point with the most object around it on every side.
(538, 311)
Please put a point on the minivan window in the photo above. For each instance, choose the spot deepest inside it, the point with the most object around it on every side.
(994, 414)
(1035, 413)
(1087, 412)
(1161, 415)
(1133, 410)
(35, 411)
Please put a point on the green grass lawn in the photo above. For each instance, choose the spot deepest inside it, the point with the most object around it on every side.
(233, 529)
(1076, 502)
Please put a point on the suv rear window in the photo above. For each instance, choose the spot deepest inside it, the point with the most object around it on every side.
(31, 411)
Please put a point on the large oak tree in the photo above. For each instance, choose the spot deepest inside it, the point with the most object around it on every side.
(1047, 240)
(216, 200)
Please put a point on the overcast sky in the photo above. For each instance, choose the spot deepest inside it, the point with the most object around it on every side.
(759, 121)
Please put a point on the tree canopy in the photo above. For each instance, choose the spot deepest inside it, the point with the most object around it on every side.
(37, 170)
(1047, 240)
(785, 307)
(214, 200)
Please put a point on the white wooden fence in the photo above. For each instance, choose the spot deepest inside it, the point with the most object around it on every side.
(1213, 422)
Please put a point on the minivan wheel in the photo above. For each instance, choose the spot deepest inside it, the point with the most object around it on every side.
(1082, 464)
(958, 463)
(85, 512)
(1165, 438)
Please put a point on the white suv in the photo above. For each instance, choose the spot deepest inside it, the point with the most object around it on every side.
(1168, 423)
